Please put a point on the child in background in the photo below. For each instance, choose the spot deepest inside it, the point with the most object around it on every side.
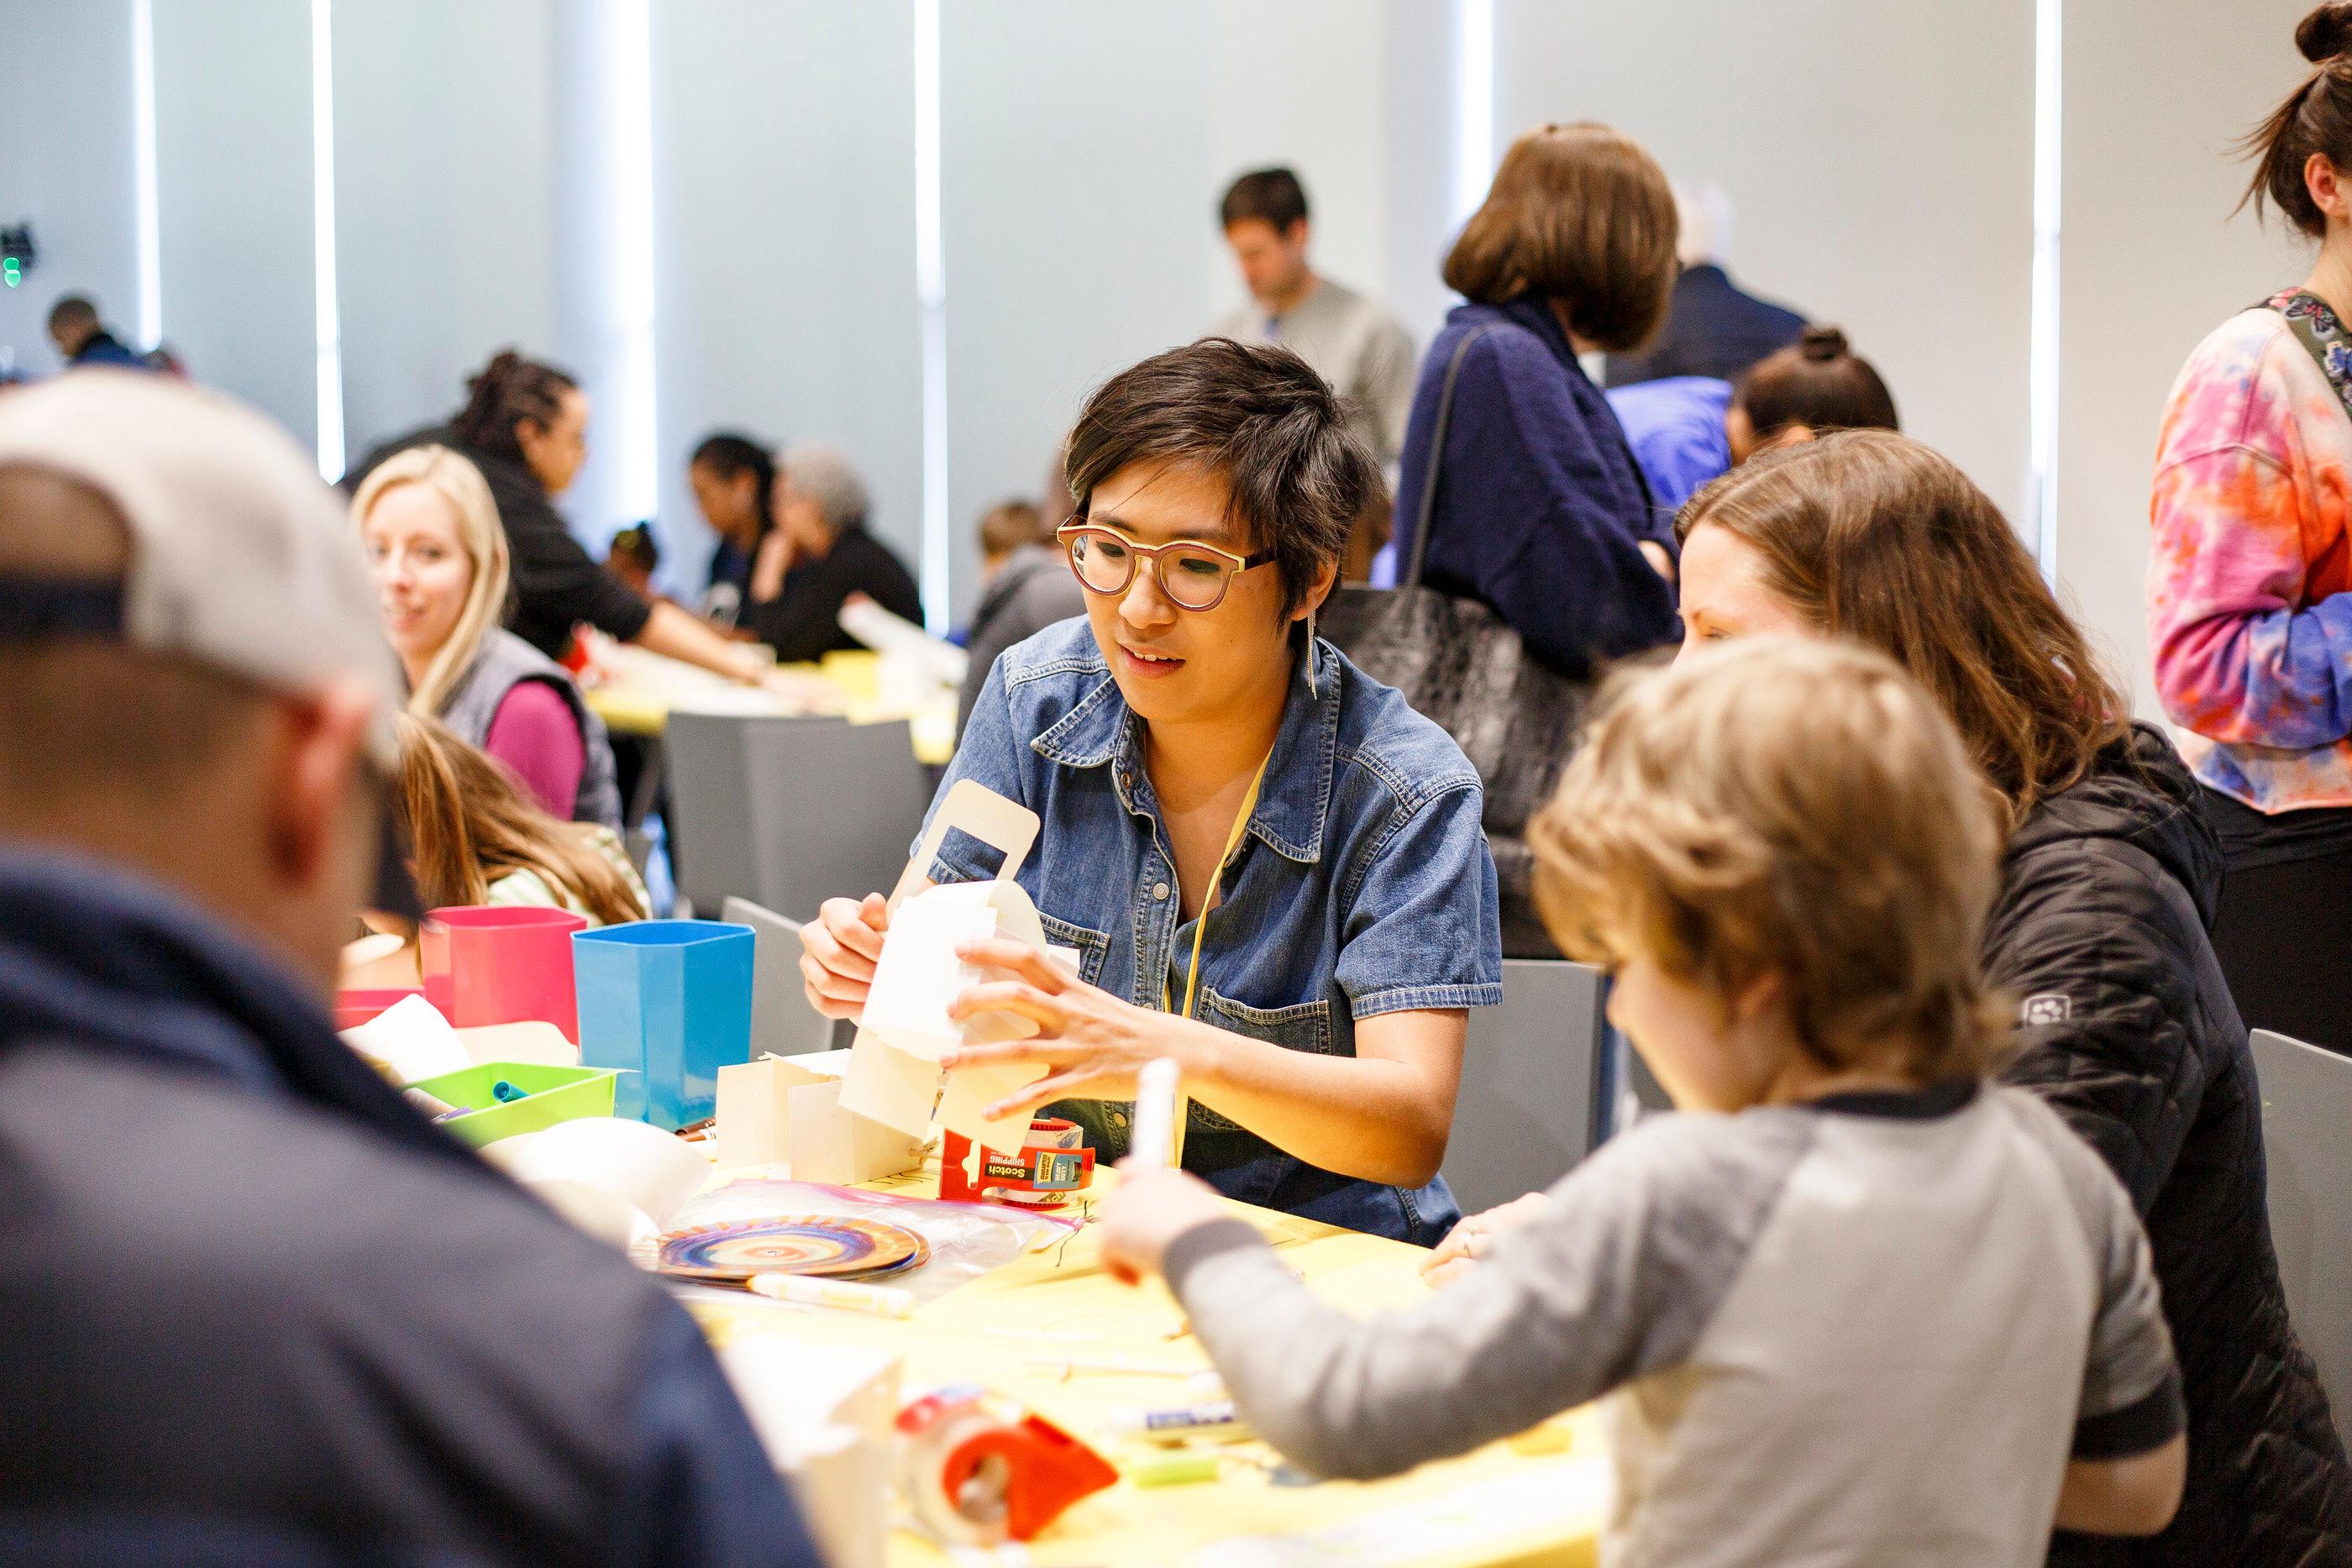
(1030, 587)
(474, 837)
(633, 557)
(1813, 386)
(1858, 1306)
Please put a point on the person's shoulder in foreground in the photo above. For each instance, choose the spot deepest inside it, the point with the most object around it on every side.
(257, 1310)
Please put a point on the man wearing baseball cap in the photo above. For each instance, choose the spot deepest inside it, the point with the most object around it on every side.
(255, 1309)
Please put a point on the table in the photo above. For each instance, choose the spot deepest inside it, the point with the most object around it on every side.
(1535, 1499)
(641, 687)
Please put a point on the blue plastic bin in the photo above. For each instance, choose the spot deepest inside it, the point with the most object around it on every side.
(669, 1002)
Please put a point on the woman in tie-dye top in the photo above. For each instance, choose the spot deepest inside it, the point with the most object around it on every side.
(2250, 579)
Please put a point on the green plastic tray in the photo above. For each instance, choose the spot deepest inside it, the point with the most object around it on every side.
(552, 1094)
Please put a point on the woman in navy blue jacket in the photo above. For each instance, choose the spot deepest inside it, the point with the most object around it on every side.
(1541, 510)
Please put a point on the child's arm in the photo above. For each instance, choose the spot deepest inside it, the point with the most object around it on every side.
(1617, 1279)
(2125, 1497)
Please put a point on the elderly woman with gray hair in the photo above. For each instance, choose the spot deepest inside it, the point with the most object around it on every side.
(818, 554)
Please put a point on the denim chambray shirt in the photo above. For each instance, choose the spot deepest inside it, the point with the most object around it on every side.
(1362, 886)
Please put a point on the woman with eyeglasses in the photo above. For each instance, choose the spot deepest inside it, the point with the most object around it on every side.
(1271, 868)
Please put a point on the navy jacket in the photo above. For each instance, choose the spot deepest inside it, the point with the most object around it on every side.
(1540, 506)
(1712, 329)
(258, 1311)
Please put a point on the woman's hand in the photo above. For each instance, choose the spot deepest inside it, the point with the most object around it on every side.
(1468, 1242)
(1091, 1043)
(1145, 1214)
(767, 567)
(840, 948)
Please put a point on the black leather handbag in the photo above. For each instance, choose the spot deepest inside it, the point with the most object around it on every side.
(1455, 660)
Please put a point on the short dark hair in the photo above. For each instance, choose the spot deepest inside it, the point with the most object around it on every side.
(1271, 195)
(1580, 215)
(1816, 381)
(73, 310)
(1257, 417)
(2317, 117)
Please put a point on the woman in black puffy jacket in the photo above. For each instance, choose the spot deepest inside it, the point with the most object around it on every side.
(2101, 930)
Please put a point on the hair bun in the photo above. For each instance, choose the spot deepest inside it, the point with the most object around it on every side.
(2325, 33)
(1820, 344)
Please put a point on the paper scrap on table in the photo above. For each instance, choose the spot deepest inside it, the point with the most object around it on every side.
(786, 1110)
(608, 1175)
(410, 1039)
(539, 1043)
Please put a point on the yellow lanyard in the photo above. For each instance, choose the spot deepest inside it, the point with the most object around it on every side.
(1200, 929)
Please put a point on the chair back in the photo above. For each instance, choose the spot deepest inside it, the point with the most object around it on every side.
(2306, 1116)
(782, 1022)
(1530, 1083)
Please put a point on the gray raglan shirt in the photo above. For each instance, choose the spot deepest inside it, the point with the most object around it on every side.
(1869, 1330)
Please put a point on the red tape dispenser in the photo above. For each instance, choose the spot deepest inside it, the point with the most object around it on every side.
(1052, 1169)
(979, 1469)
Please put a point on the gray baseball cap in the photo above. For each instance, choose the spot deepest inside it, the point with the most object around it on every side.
(241, 557)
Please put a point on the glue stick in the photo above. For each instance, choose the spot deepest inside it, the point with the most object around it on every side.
(1154, 1133)
(1216, 1418)
(848, 1295)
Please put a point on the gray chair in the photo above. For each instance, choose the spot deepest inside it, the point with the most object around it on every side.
(1530, 1083)
(2306, 1116)
(782, 1022)
(789, 812)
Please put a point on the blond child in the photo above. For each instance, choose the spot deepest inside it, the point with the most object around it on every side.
(1854, 1304)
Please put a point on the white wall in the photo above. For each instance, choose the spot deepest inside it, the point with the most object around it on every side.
(232, 175)
(1881, 157)
(2156, 90)
(785, 190)
(1086, 148)
(443, 205)
(65, 122)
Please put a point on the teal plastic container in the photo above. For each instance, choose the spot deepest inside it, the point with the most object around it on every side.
(550, 1094)
(667, 1002)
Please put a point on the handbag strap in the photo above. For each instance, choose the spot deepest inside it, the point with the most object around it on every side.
(2314, 326)
(1437, 456)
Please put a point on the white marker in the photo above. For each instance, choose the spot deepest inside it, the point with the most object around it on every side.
(1154, 1133)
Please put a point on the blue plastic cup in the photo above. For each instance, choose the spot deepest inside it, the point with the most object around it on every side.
(668, 1002)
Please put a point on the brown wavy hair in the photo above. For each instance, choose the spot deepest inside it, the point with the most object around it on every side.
(1869, 535)
(468, 824)
(1791, 807)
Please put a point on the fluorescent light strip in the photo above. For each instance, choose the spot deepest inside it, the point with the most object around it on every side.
(326, 331)
(931, 302)
(629, 57)
(2041, 341)
(1474, 104)
(142, 173)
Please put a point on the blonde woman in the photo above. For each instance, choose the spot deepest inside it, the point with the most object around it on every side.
(440, 561)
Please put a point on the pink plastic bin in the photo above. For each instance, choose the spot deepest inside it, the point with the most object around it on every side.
(496, 964)
(353, 1009)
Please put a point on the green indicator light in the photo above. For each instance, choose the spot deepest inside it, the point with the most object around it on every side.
(12, 272)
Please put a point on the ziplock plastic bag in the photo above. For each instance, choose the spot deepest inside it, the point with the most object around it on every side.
(967, 1239)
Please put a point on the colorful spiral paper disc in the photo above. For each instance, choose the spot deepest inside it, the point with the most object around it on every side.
(831, 1244)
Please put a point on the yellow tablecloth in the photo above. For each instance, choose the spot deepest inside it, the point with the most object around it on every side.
(1537, 1499)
